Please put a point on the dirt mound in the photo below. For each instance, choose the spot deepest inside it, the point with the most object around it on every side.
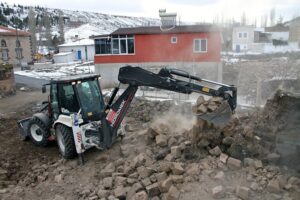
(18, 157)
(279, 124)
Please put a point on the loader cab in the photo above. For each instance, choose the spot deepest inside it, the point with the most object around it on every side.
(76, 94)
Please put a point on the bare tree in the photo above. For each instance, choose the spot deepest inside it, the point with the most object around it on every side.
(47, 24)
(216, 19)
(61, 27)
(32, 29)
(255, 22)
(264, 21)
(272, 17)
(244, 19)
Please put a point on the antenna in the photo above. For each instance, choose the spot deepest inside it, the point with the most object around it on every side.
(168, 20)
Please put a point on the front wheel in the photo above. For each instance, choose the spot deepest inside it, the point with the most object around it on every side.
(65, 141)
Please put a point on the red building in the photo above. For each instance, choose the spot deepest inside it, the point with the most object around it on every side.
(193, 48)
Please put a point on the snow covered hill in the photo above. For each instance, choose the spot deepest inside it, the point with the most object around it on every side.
(81, 23)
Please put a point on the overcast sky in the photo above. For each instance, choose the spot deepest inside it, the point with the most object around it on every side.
(188, 10)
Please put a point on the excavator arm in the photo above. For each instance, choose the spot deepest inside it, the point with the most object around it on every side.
(136, 76)
(167, 79)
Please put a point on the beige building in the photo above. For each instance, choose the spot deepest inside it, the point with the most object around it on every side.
(294, 30)
(15, 50)
(15, 46)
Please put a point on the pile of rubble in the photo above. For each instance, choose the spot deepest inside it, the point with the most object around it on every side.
(145, 110)
(202, 106)
(174, 156)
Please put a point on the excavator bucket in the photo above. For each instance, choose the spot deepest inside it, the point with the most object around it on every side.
(219, 117)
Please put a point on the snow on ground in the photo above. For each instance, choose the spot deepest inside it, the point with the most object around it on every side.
(87, 30)
(55, 71)
(228, 60)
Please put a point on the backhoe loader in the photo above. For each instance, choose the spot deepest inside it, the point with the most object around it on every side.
(77, 117)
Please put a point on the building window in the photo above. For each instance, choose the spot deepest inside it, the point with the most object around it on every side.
(200, 45)
(173, 40)
(242, 35)
(19, 50)
(130, 45)
(120, 44)
(103, 46)
(4, 50)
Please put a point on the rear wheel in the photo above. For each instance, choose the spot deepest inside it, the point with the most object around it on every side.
(65, 141)
(38, 132)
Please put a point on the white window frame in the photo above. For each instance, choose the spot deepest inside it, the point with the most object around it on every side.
(194, 45)
(174, 40)
(124, 38)
(246, 35)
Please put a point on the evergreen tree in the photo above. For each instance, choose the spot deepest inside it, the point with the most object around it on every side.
(280, 20)
(55, 41)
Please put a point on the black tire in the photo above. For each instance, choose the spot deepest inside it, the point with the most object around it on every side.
(38, 132)
(65, 141)
(23, 137)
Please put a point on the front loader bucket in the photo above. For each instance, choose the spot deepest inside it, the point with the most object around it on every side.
(23, 126)
(220, 117)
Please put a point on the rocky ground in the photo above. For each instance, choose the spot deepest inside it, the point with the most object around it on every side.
(166, 154)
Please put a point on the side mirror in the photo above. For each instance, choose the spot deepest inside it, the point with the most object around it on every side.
(44, 89)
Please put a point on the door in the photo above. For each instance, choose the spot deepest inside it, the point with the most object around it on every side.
(79, 55)
(237, 48)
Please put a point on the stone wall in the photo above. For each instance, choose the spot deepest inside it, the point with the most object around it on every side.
(7, 82)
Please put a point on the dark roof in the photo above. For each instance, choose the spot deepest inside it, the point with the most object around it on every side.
(157, 30)
(74, 78)
(277, 28)
(295, 20)
(12, 32)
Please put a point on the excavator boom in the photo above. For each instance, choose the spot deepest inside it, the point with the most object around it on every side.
(165, 79)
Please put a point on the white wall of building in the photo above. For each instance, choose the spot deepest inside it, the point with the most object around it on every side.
(63, 57)
(87, 51)
(280, 36)
(242, 38)
(246, 44)
(292, 46)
